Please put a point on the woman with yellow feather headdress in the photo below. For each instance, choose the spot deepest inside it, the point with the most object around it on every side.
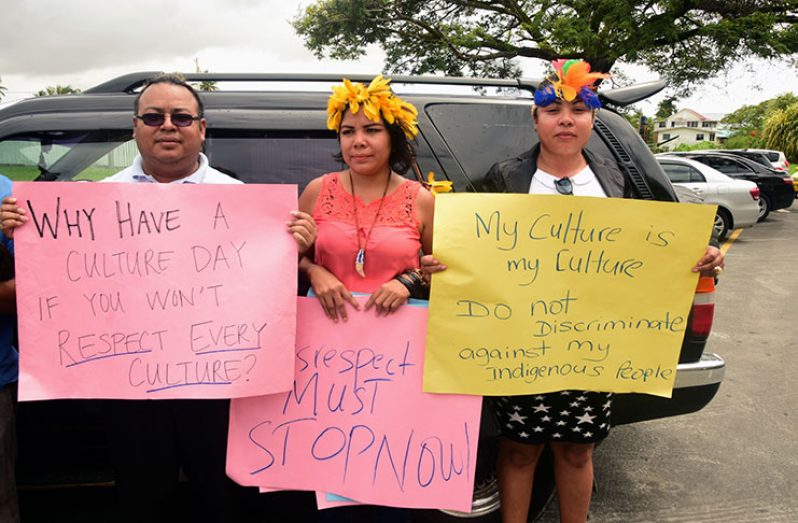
(372, 221)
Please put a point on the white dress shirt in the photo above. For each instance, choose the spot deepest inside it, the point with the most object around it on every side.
(204, 174)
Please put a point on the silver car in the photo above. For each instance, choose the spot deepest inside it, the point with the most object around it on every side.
(737, 200)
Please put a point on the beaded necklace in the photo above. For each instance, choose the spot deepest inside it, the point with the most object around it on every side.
(360, 257)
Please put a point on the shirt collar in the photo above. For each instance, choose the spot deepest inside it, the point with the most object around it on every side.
(583, 177)
(197, 176)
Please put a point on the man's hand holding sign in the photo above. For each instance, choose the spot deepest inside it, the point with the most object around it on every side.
(142, 296)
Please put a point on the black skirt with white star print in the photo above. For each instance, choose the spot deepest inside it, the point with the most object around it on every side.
(570, 416)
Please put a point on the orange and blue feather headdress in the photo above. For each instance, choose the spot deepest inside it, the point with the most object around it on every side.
(572, 79)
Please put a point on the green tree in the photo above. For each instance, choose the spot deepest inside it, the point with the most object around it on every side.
(641, 122)
(696, 146)
(748, 121)
(781, 131)
(57, 90)
(205, 85)
(743, 141)
(666, 108)
(685, 40)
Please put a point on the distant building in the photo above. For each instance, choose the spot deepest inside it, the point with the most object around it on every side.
(688, 127)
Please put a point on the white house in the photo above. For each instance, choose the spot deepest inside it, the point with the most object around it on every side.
(687, 127)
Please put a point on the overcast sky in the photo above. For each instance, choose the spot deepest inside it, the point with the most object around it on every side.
(84, 42)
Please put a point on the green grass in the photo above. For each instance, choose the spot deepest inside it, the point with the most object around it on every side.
(96, 173)
(26, 173)
(20, 173)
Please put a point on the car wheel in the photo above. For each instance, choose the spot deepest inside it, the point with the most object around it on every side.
(722, 223)
(764, 207)
(486, 507)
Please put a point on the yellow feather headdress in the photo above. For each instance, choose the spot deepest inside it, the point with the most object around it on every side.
(376, 100)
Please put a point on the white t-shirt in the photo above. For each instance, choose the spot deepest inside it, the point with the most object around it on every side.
(204, 174)
(584, 183)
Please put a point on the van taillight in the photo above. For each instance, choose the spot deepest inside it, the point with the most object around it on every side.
(704, 306)
(755, 193)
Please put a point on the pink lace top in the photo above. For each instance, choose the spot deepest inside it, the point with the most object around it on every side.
(393, 247)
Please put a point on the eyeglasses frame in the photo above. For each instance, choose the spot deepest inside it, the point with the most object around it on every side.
(171, 119)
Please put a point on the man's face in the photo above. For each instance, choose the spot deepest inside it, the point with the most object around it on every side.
(168, 150)
(564, 127)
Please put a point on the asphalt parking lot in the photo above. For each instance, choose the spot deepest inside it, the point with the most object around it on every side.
(734, 461)
(737, 459)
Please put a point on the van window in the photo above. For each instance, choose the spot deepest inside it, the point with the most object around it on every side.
(480, 135)
(66, 155)
(272, 157)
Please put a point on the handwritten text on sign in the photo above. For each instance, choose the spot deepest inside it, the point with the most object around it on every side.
(546, 293)
(356, 422)
(155, 290)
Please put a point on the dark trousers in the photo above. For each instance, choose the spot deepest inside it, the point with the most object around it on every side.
(9, 505)
(151, 441)
(364, 514)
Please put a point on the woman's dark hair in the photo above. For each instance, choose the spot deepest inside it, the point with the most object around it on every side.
(402, 152)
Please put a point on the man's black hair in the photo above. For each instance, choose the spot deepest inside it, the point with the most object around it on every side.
(172, 79)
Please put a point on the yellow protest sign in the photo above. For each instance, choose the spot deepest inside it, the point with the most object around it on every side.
(546, 293)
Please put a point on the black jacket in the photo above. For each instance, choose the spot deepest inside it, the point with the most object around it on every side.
(515, 175)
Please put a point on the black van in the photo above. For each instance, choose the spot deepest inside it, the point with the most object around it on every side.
(272, 134)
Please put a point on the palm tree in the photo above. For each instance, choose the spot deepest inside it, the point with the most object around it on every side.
(57, 90)
(780, 131)
(208, 85)
(2, 89)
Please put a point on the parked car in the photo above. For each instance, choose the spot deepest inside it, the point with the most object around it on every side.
(737, 200)
(777, 159)
(775, 189)
(755, 156)
(280, 136)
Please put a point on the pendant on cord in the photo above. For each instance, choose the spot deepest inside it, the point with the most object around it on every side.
(360, 261)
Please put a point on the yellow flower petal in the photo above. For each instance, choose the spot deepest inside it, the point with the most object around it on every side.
(437, 187)
(377, 101)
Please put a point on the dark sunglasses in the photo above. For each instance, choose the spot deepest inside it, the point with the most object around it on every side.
(564, 186)
(157, 119)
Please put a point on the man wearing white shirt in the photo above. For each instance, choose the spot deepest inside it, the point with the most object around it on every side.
(169, 128)
(151, 441)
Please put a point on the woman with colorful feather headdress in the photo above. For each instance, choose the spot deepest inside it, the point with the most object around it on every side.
(568, 422)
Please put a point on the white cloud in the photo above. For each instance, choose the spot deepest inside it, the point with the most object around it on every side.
(85, 42)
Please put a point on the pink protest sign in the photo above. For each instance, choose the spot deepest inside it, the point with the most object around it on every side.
(356, 422)
(155, 291)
